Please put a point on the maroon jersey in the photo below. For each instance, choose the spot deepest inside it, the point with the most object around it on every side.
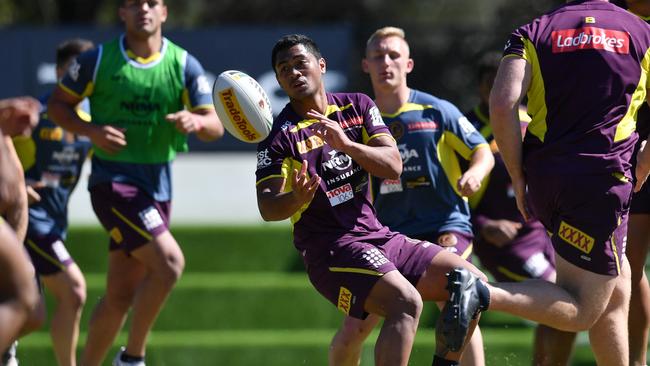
(589, 64)
(341, 210)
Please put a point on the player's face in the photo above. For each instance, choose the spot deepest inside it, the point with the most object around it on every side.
(143, 17)
(387, 62)
(299, 72)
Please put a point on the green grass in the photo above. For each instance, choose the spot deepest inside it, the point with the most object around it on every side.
(244, 299)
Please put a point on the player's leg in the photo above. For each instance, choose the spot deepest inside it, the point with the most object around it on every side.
(124, 276)
(64, 280)
(638, 240)
(610, 350)
(552, 347)
(69, 290)
(18, 292)
(395, 299)
(347, 344)
(164, 262)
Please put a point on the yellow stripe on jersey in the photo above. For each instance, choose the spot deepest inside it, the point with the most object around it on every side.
(26, 150)
(449, 162)
(365, 137)
(288, 166)
(331, 108)
(356, 270)
(87, 91)
(627, 125)
(536, 94)
(407, 107)
(142, 60)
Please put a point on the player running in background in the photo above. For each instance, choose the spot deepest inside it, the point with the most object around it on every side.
(509, 247)
(314, 168)
(146, 94)
(584, 68)
(52, 159)
(428, 201)
(18, 291)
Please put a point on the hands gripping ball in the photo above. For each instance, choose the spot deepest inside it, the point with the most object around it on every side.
(242, 106)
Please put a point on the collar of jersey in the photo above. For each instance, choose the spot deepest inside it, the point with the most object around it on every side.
(331, 108)
(141, 62)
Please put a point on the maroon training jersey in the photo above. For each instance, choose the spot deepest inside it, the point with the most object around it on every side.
(589, 64)
(342, 206)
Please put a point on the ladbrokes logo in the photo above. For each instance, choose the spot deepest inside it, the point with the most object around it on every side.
(576, 237)
(229, 100)
(345, 300)
(569, 40)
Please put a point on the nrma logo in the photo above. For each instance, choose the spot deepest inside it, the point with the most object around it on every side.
(338, 161)
(407, 153)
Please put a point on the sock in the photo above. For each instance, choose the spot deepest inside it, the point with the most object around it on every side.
(439, 361)
(128, 358)
(483, 295)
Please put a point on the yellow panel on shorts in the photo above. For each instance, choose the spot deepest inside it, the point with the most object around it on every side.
(345, 300)
(116, 235)
(576, 237)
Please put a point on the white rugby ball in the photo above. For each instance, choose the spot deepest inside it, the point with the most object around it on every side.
(242, 106)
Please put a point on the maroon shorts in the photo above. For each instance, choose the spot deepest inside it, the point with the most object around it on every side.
(529, 255)
(464, 245)
(586, 216)
(48, 254)
(130, 216)
(347, 274)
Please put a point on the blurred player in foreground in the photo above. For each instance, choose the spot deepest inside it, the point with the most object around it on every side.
(314, 168)
(575, 163)
(136, 132)
(52, 159)
(18, 291)
(429, 201)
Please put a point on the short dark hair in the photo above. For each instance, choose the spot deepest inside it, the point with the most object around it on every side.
(291, 40)
(488, 63)
(71, 48)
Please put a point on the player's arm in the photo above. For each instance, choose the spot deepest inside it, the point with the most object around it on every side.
(480, 165)
(13, 194)
(199, 117)
(379, 157)
(275, 204)
(510, 86)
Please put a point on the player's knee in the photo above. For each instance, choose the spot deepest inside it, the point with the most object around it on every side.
(173, 268)
(77, 297)
(407, 304)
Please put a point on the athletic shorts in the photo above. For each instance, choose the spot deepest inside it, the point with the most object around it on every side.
(641, 201)
(130, 216)
(530, 255)
(347, 274)
(48, 254)
(464, 245)
(586, 216)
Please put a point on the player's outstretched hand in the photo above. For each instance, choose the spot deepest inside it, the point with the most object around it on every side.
(304, 187)
(468, 184)
(500, 232)
(329, 130)
(185, 121)
(108, 138)
(18, 116)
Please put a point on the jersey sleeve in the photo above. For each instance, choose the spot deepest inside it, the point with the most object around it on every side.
(373, 124)
(516, 43)
(460, 134)
(80, 77)
(273, 159)
(198, 92)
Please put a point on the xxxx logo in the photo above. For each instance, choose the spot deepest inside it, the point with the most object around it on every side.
(345, 300)
(576, 237)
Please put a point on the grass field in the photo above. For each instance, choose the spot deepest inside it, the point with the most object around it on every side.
(244, 300)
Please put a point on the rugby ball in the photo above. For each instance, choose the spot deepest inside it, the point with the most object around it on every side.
(242, 106)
